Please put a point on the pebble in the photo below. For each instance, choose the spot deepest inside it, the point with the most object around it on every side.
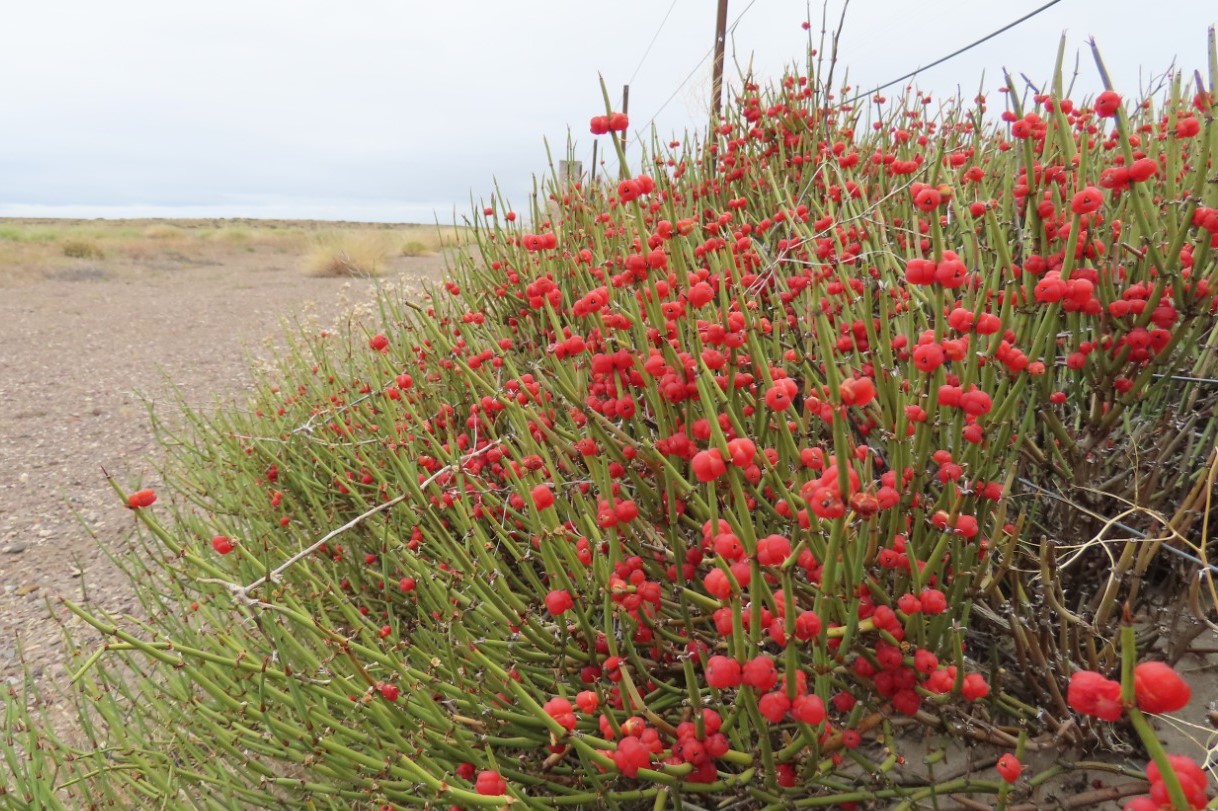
(13, 549)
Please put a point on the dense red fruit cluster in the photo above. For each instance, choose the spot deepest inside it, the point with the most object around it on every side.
(725, 449)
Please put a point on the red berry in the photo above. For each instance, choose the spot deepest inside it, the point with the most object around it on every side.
(587, 701)
(1107, 104)
(933, 601)
(781, 395)
(490, 784)
(1092, 694)
(1192, 779)
(974, 687)
(773, 706)
(708, 465)
(1159, 688)
(1141, 804)
(742, 451)
(928, 199)
(808, 709)
(1143, 170)
(543, 496)
(631, 755)
(1087, 201)
(560, 710)
(559, 601)
(773, 550)
(760, 673)
(722, 672)
(141, 498)
(221, 545)
(1009, 767)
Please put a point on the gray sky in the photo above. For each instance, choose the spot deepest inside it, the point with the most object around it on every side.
(399, 110)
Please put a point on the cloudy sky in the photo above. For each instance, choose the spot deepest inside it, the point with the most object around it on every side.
(401, 110)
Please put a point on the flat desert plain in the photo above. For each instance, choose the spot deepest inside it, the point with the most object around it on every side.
(101, 322)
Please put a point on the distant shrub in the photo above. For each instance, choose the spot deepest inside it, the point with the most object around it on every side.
(348, 253)
(82, 249)
(414, 247)
(162, 231)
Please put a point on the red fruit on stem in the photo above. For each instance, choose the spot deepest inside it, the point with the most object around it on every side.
(587, 701)
(708, 465)
(141, 498)
(1087, 201)
(1192, 777)
(808, 709)
(1158, 688)
(1009, 767)
(490, 784)
(760, 673)
(773, 706)
(1107, 104)
(722, 672)
(1092, 694)
(559, 602)
(543, 496)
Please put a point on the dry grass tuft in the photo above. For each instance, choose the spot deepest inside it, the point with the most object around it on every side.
(163, 231)
(415, 247)
(348, 253)
(81, 248)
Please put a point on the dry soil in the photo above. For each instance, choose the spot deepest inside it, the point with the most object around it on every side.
(84, 352)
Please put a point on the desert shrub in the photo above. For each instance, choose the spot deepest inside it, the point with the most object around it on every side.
(162, 231)
(77, 248)
(414, 247)
(348, 252)
(702, 491)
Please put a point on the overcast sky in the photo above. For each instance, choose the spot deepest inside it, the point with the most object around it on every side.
(400, 110)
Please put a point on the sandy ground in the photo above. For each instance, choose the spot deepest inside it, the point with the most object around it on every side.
(82, 352)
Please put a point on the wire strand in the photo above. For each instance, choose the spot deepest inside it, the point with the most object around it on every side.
(696, 67)
(651, 44)
(955, 53)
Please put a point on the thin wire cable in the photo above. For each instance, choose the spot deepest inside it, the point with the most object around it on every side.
(652, 43)
(955, 53)
(731, 29)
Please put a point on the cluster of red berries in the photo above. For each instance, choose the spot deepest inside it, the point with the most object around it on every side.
(614, 122)
(1193, 782)
(1157, 688)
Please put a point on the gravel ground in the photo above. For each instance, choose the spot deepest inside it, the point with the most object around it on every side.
(82, 353)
